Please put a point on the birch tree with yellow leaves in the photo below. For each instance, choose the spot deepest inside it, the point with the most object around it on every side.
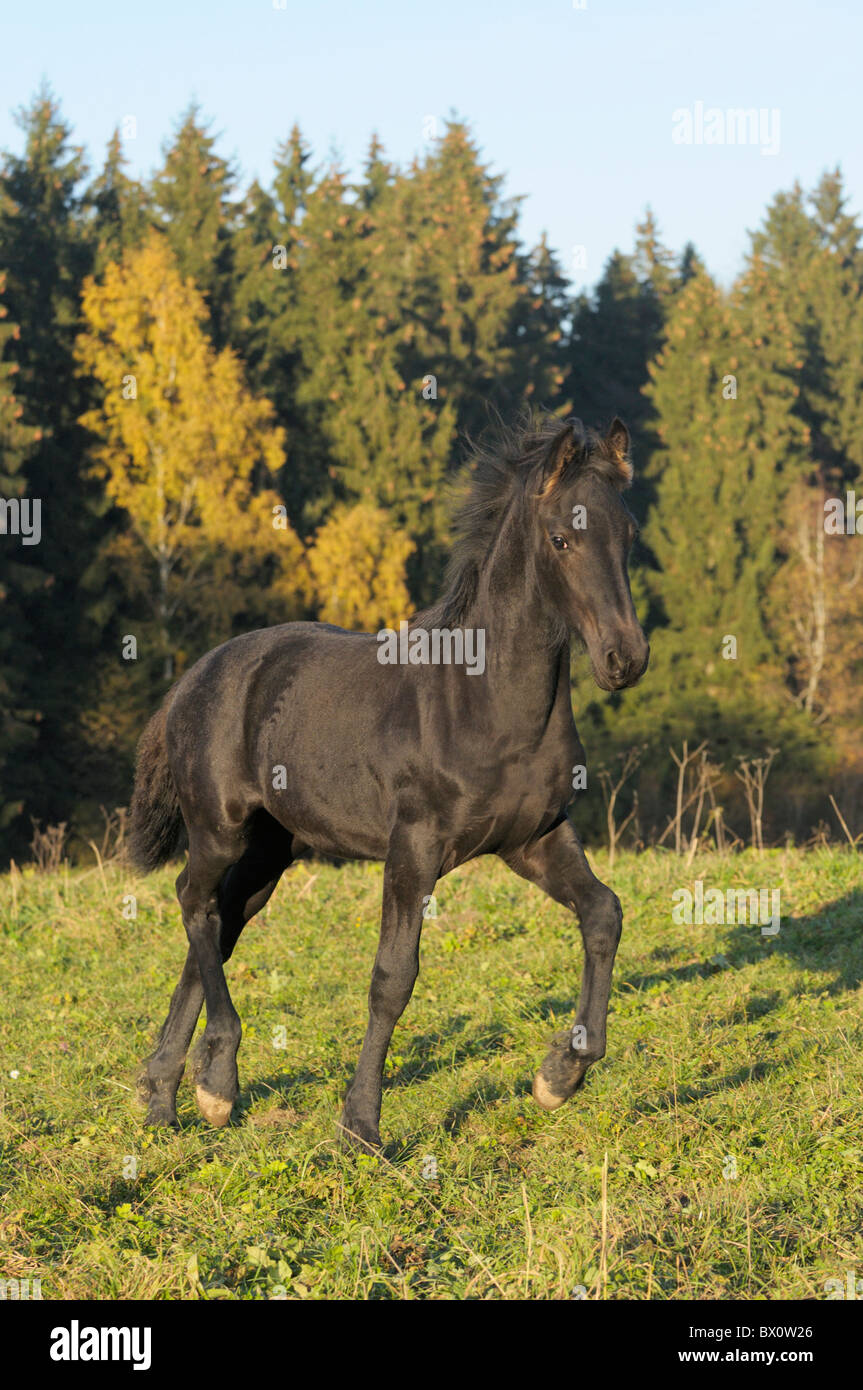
(357, 569)
(190, 456)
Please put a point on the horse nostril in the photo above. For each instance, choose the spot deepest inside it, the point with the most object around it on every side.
(615, 665)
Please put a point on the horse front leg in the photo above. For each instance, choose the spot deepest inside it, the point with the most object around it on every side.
(556, 863)
(410, 873)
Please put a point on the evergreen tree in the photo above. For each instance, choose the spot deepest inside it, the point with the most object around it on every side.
(118, 207)
(45, 251)
(655, 265)
(437, 325)
(730, 448)
(265, 325)
(18, 582)
(327, 329)
(810, 249)
(839, 304)
(616, 331)
(192, 193)
(541, 357)
(378, 174)
(256, 250)
(812, 254)
(690, 264)
(463, 287)
(609, 361)
(46, 254)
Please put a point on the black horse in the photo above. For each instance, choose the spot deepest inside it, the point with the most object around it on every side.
(307, 739)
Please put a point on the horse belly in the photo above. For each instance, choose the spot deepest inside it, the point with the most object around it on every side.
(331, 802)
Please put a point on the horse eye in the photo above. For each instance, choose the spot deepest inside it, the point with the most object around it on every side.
(560, 543)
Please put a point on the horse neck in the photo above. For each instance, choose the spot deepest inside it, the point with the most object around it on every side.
(525, 653)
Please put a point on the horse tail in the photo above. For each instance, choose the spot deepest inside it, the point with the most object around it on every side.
(156, 822)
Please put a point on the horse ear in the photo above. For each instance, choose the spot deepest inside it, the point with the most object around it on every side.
(560, 455)
(617, 448)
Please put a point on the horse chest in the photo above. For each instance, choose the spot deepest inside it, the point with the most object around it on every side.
(509, 799)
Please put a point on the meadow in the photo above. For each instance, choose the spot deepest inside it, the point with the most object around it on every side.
(716, 1152)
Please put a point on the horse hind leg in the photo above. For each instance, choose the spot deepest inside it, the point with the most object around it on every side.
(243, 890)
(159, 1079)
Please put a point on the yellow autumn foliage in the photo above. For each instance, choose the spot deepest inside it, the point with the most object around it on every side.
(357, 566)
(187, 452)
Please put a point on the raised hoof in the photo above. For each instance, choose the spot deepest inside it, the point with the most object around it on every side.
(561, 1074)
(216, 1110)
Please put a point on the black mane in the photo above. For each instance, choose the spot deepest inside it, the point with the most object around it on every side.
(498, 469)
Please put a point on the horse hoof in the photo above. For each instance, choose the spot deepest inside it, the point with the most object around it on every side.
(157, 1100)
(216, 1110)
(161, 1116)
(358, 1138)
(544, 1095)
(561, 1074)
(143, 1090)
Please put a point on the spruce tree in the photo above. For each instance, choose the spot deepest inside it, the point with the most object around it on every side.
(616, 331)
(18, 583)
(811, 250)
(541, 366)
(608, 358)
(730, 446)
(118, 207)
(838, 405)
(45, 250)
(265, 326)
(193, 197)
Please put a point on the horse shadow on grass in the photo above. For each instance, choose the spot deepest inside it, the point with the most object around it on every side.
(483, 1094)
(445, 1049)
(282, 1084)
(827, 941)
(693, 1092)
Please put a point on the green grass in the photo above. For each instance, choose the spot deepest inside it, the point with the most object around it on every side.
(725, 1048)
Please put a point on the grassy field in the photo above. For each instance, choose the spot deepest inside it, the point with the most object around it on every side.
(715, 1152)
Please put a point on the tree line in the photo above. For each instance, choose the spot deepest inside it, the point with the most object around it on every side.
(240, 406)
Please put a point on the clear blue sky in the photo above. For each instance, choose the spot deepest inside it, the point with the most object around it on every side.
(573, 105)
